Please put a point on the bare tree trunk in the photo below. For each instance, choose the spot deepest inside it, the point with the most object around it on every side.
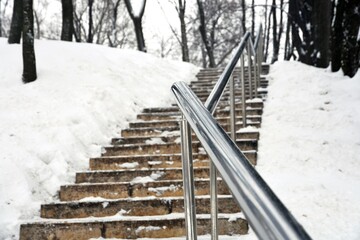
(67, 20)
(243, 17)
(16, 22)
(253, 18)
(184, 41)
(137, 20)
(267, 37)
(351, 46)
(202, 29)
(77, 27)
(288, 48)
(90, 37)
(274, 30)
(322, 25)
(29, 73)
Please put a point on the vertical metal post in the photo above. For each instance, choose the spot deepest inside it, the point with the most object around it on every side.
(243, 98)
(249, 69)
(213, 202)
(256, 73)
(232, 108)
(188, 181)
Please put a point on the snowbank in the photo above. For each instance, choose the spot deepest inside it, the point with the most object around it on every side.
(309, 150)
(49, 128)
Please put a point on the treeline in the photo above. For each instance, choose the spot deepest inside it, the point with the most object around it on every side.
(315, 32)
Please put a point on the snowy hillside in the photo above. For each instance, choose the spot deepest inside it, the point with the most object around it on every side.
(83, 96)
(309, 149)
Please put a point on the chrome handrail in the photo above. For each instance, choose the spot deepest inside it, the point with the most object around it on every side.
(266, 214)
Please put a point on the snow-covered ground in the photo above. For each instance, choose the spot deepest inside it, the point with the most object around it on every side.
(309, 150)
(49, 128)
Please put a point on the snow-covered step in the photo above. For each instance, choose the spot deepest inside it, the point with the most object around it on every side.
(256, 104)
(162, 188)
(137, 175)
(176, 115)
(175, 122)
(167, 148)
(175, 137)
(153, 161)
(172, 225)
(148, 206)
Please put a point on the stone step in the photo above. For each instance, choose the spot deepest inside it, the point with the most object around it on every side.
(208, 87)
(133, 175)
(161, 131)
(164, 188)
(176, 115)
(133, 207)
(153, 161)
(167, 148)
(174, 137)
(254, 104)
(175, 123)
(172, 225)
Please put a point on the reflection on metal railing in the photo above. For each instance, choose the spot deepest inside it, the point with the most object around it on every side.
(267, 216)
(265, 213)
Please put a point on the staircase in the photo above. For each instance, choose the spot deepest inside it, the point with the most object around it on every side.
(134, 190)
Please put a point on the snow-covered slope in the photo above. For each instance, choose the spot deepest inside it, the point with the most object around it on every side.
(309, 151)
(49, 128)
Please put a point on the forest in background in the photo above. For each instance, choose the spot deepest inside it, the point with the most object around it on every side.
(318, 33)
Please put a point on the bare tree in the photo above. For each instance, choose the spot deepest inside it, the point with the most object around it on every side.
(67, 20)
(137, 20)
(16, 22)
(203, 31)
(184, 41)
(91, 25)
(29, 73)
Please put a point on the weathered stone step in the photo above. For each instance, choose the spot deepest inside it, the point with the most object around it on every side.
(167, 148)
(131, 175)
(175, 123)
(207, 88)
(134, 207)
(176, 115)
(159, 131)
(129, 227)
(153, 161)
(255, 104)
(164, 188)
(174, 137)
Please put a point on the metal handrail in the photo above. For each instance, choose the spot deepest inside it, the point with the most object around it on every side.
(267, 216)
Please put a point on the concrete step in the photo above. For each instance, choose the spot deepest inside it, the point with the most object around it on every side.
(161, 131)
(172, 225)
(223, 121)
(153, 161)
(176, 115)
(133, 207)
(167, 148)
(174, 137)
(164, 188)
(131, 175)
(254, 104)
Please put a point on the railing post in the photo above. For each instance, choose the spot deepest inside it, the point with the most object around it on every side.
(249, 69)
(256, 73)
(213, 202)
(232, 108)
(243, 98)
(188, 180)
